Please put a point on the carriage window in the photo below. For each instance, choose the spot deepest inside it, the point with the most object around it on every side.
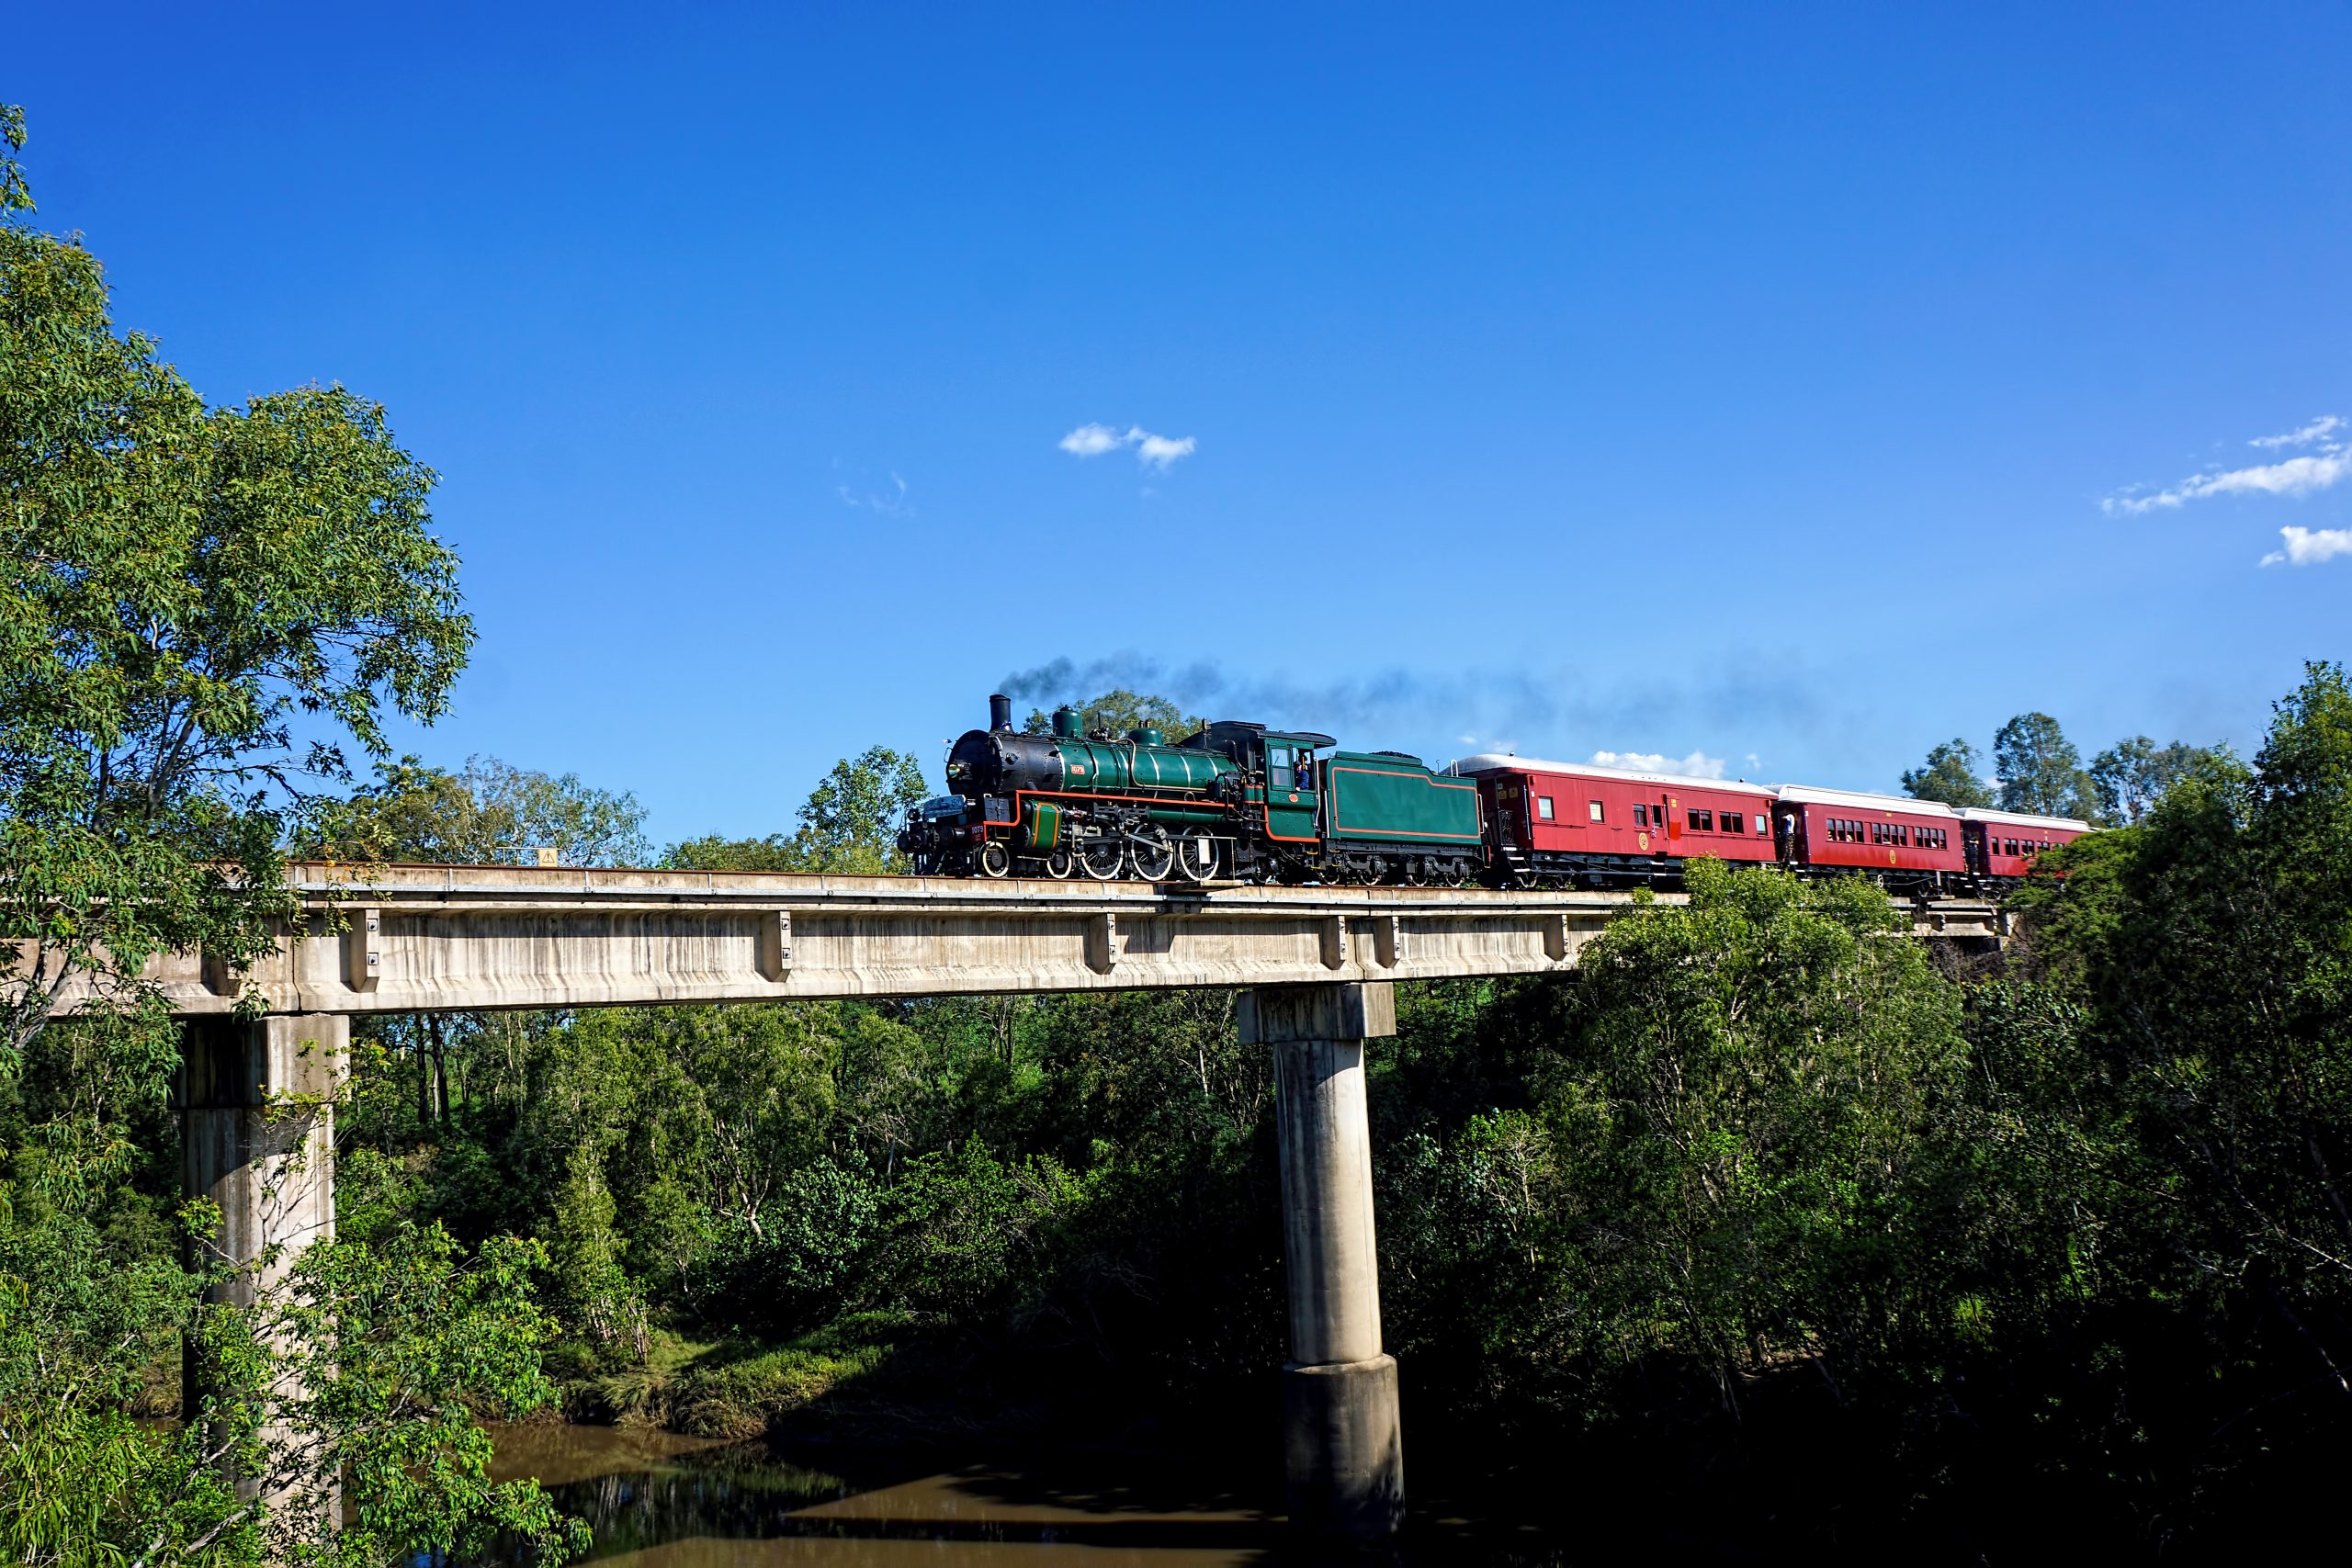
(1544, 806)
(1595, 807)
(2010, 846)
(1702, 821)
(1641, 814)
(1735, 822)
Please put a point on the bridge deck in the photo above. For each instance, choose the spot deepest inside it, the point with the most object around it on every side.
(438, 938)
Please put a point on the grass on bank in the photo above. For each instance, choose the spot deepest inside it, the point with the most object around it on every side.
(728, 1387)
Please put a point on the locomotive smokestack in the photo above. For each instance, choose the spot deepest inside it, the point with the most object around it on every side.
(1001, 714)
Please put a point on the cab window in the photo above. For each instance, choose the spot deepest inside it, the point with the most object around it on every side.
(1278, 769)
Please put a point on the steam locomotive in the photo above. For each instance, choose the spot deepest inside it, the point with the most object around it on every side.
(1238, 801)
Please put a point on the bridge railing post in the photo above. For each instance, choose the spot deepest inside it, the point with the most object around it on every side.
(1342, 1446)
(256, 1099)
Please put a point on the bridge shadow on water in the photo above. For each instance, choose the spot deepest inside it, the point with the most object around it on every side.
(655, 1501)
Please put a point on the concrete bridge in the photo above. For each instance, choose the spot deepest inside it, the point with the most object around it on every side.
(1314, 965)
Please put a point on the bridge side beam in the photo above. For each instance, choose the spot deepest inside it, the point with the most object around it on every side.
(1341, 1442)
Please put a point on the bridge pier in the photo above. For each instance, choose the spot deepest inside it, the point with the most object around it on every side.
(1341, 1442)
(257, 1137)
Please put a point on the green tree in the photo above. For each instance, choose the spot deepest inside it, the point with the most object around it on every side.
(15, 195)
(712, 852)
(1117, 712)
(2212, 947)
(850, 821)
(2040, 769)
(849, 824)
(1950, 774)
(2132, 775)
(585, 1251)
(1749, 1110)
(199, 608)
(488, 814)
(194, 601)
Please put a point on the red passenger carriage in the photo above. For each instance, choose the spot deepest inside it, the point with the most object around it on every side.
(2003, 843)
(1554, 820)
(1903, 842)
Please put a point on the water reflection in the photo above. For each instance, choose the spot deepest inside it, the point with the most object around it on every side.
(659, 1501)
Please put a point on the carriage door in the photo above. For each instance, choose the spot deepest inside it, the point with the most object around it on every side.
(1290, 811)
(1510, 815)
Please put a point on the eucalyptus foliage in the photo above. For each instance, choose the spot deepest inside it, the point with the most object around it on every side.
(200, 609)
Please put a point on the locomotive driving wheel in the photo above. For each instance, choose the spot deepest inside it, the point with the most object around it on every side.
(1060, 864)
(1102, 858)
(995, 859)
(1153, 855)
(1196, 857)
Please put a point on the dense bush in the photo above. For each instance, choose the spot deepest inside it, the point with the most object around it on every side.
(1767, 1176)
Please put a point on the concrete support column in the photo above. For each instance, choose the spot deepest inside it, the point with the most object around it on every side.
(257, 1137)
(1341, 1436)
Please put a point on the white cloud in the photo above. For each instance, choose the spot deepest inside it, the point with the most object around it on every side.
(1091, 441)
(1159, 451)
(894, 504)
(2312, 435)
(2330, 464)
(2309, 547)
(1152, 451)
(1697, 765)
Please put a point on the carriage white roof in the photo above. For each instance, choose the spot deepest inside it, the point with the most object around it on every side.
(2023, 818)
(1491, 762)
(1804, 794)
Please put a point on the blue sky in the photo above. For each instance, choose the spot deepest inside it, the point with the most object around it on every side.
(1792, 387)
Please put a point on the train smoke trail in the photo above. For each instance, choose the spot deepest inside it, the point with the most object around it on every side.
(1556, 712)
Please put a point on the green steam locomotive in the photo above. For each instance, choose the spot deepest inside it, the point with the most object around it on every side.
(1234, 802)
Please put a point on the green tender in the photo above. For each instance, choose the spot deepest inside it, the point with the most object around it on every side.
(1370, 795)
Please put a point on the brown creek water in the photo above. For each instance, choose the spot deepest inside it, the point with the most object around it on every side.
(659, 1501)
